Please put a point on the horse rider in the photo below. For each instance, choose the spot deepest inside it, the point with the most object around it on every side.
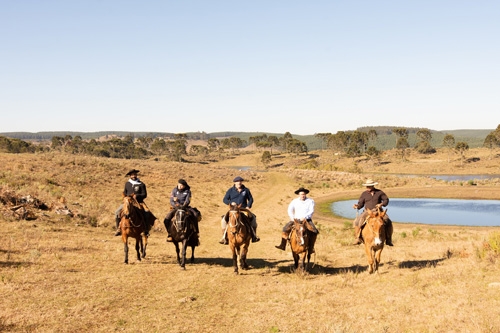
(239, 194)
(180, 197)
(300, 208)
(372, 198)
(135, 188)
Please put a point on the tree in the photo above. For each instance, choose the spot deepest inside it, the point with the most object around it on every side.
(462, 147)
(402, 145)
(401, 132)
(323, 137)
(213, 144)
(266, 158)
(373, 154)
(449, 142)
(491, 142)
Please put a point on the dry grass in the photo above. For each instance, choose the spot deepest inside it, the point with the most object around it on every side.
(67, 274)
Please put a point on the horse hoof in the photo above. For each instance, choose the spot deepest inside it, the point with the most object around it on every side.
(183, 268)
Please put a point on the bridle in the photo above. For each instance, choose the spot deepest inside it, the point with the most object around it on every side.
(299, 232)
(180, 220)
(235, 215)
(126, 211)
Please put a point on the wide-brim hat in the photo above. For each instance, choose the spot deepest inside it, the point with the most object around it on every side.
(238, 179)
(132, 171)
(301, 189)
(370, 182)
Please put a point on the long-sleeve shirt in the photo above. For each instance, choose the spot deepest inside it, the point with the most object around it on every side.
(136, 187)
(300, 209)
(369, 199)
(243, 197)
(183, 196)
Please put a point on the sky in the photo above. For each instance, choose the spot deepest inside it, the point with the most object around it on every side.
(276, 66)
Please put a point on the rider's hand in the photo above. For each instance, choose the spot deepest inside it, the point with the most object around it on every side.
(355, 206)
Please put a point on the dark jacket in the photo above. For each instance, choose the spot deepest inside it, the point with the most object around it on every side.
(369, 199)
(139, 190)
(244, 197)
(183, 196)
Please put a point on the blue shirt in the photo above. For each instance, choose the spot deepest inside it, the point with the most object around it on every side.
(243, 197)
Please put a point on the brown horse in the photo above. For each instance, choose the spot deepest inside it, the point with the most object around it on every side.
(132, 224)
(239, 236)
(182, 231)
(374, 237)
(302, 243)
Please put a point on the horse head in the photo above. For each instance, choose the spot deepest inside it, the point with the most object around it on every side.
(300, 230)
(181, 219)
(235, 215)
(375, 222)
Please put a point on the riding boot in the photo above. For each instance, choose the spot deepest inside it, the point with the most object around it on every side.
(166, 223)
(282, 246)
(357, 234)
(118, 230)
(223, 240)
(388, 232)
(255, 238)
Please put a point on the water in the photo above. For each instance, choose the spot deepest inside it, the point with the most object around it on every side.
(449, 178)
(433, 211)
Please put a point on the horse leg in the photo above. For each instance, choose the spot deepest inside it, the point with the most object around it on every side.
(138, 245)
(295, 260)
(235, 258)
(177, 250)
(183, 256)
(125, 249)
(192, 253)
(369, 255)
(243, 257)
(144, 245)
(378, 253)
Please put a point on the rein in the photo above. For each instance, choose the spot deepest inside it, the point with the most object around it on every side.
(238, 224)
(127, 216)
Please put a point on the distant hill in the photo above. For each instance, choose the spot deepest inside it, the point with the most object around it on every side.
(385, 140)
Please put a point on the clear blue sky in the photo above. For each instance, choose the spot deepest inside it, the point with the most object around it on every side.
(268, 66)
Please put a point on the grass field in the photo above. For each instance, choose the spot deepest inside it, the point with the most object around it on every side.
(66, 274)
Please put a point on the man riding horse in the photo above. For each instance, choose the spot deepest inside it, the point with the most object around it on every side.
(300, 208)
(371, 199)
(135, 188)
(241, 196)
(180, 197)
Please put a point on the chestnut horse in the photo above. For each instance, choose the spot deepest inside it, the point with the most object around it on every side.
(132, 225)
(302, 243)
(239, 236)
(374, 237)
(182, 231)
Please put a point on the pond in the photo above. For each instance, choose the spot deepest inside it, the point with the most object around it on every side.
(433, 211)
(449, 178)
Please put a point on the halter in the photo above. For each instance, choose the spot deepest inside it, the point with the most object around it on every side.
(237, 217)
(180, 220)
(126, 210)
(300, 239)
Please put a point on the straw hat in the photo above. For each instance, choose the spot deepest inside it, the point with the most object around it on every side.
(370, 182)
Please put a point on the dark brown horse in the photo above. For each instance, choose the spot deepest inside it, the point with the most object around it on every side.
(374, 237)
(302, 243)
(182, 231)
(134, 221)
(239, 236)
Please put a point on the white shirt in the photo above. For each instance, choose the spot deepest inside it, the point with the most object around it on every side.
(300, 209)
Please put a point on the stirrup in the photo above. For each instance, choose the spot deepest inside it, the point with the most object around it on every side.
(223, 241)
(118, 232)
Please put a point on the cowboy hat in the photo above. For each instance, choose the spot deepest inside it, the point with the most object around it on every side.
(370, 182)
(238, 179)
(132, 171)
(301, 189)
